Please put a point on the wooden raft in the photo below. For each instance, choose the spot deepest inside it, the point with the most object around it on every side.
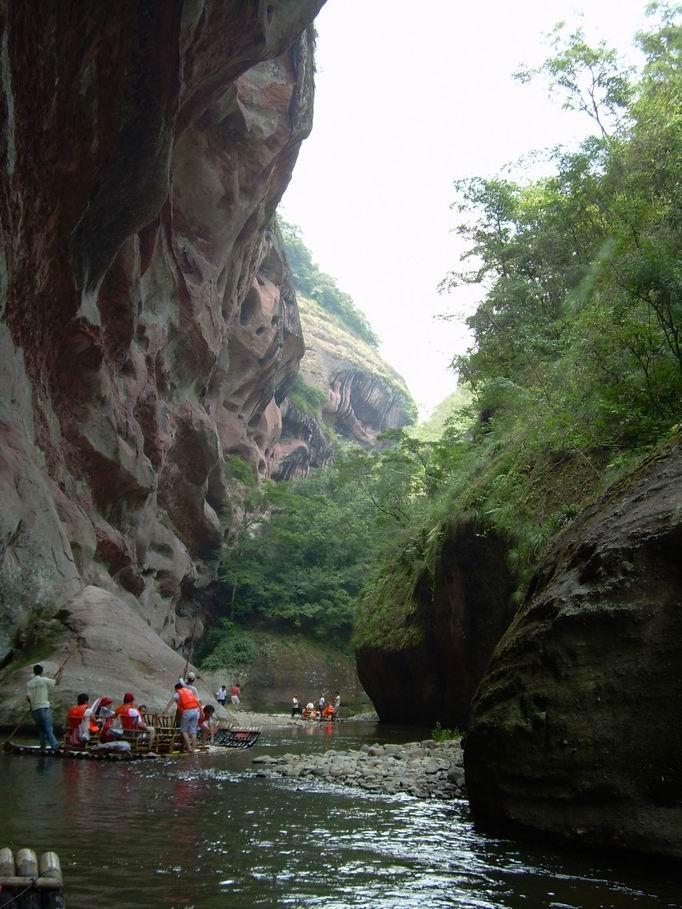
(29, 883)
(77, 754)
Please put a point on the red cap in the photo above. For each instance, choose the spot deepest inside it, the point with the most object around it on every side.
(128, 696)
(106, 701)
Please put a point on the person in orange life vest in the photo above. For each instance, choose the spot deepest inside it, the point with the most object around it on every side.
(131, 718)
(78, 720)
(328, 712)
(188, 708)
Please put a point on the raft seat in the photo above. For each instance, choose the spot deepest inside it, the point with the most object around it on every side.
(168, 737)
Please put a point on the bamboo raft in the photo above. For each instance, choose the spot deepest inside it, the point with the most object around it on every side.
(29, 883)
(83, 754)
(167, 740)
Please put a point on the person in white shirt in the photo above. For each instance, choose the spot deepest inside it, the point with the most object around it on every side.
(37, 695)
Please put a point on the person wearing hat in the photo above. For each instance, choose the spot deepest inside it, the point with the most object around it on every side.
(189, 709)
(189, 683)
(131, 718)
(37, 695)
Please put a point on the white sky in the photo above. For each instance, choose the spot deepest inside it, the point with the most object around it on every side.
(411, 96)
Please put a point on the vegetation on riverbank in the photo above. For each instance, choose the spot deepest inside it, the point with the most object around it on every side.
(574, 375)
(576, 366)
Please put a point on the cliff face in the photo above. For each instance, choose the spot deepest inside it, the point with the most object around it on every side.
(576, 730)
(362, 396)
(458, 615)
(146, 324)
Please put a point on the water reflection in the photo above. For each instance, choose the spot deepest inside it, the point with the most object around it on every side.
(206, 832)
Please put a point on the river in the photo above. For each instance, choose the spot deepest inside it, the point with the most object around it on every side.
(207, 833)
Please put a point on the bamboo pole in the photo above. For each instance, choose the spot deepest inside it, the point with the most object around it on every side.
(51, 870)
(189, 654)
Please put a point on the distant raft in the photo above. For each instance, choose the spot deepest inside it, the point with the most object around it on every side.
(236, 738)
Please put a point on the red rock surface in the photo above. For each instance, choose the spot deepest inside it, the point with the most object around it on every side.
(146, 324)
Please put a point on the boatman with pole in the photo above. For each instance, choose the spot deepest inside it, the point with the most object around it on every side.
(37, 695)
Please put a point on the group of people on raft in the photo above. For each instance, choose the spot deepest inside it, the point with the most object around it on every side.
(109, 725)
(323, 710)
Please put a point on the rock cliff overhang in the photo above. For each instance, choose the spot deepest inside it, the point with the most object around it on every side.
(146, 322)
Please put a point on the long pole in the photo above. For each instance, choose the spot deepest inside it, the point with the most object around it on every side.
(189, 654)
(26, 715)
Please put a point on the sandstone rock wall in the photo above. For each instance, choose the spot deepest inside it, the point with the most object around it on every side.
(458, 617)
(576, 731)
(146, 322)
(364, 396)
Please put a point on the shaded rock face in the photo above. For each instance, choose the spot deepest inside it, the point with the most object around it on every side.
(146, 322)
(576, 730)
(302, 444)
(361, 406)
(364, 396)
(461, 615)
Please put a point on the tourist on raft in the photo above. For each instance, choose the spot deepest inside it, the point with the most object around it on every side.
(80, 723)
(37, 695)
(131, 718)
(188, 708)
(208, 724)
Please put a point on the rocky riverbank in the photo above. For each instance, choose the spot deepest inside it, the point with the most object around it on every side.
(425, 769)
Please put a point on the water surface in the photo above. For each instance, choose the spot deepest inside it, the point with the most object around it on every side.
(207, 833)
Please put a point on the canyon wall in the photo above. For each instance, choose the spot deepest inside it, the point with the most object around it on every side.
(361, 395)
(424, 667)
(147, 324)
(576, 731)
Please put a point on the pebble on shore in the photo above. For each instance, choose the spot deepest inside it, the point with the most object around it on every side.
(425, 769)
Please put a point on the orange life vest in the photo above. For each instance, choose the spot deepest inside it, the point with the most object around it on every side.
(127, 721)
(186, 699)
(74, 716)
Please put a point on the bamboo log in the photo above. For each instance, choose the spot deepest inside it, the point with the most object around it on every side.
(40, 883)
(50, 866)
(51, 869)
(6, 873)
(27, 867)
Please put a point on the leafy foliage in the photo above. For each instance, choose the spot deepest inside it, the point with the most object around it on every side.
(313, 283)
(575, 368)
(575, 372)
(306, 397)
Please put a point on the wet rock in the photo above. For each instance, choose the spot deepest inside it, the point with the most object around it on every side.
(459, 615)
(424, 770)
